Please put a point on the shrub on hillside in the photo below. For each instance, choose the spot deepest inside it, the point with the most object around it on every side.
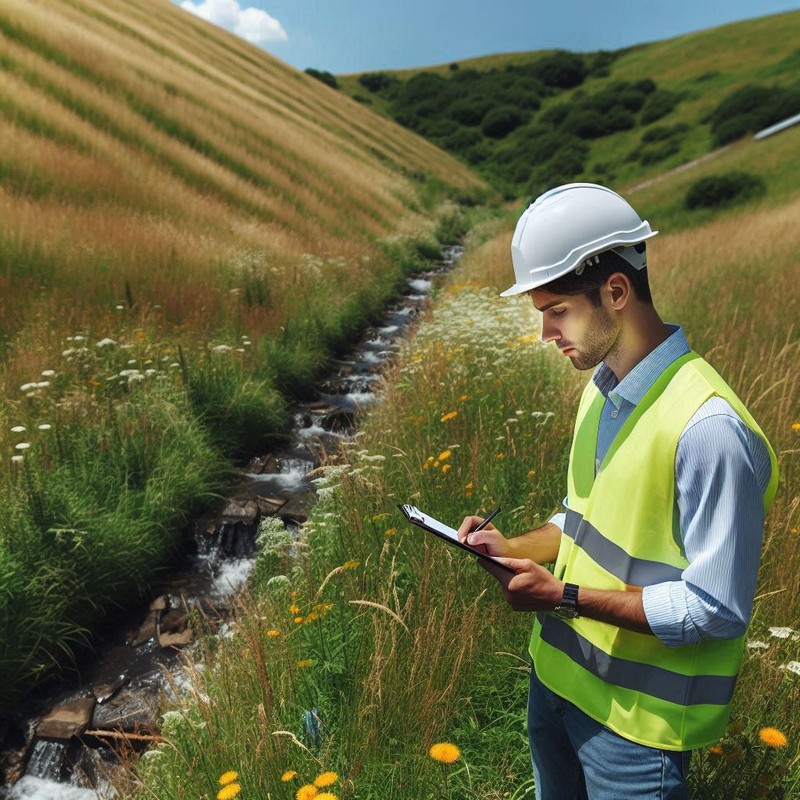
(716, 191)
(751, 108)
(499, 122)
(562, 70)
(323, 77)
(377, 81)
(470, 110)
(660, 133)
(657, 105)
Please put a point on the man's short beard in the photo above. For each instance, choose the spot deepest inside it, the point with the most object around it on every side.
(601, 339)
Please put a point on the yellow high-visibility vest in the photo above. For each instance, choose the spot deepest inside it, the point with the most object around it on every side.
(622, 533)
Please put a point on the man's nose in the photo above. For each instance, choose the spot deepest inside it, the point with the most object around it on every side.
(549, 331)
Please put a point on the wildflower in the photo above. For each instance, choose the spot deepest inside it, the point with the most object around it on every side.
(500, 456)
(294, 608)
(390, 532)
(106, 342)
(273, 632)
(48, 373)
(450, 415)
(777, 632)
(531, 473)
(17, 459)
(305, 662)
(444, 455)
(446, 467)
(26, 387)
(23, 446)
(715, 750)
(772, 737)
(445, 752)
(307, 792)
(352, 564)
(228, 777)
(796, 426)
(326, 796)
(463, 398)
(792, 666)
(326, 779)
(755, 644)
(298, 620)
(45, 427)
(288, 775)
(229, 791)
(119, 307)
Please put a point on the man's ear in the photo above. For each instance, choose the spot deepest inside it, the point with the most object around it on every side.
(619, 290)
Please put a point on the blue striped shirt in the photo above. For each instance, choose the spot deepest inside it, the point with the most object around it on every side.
(721, 471)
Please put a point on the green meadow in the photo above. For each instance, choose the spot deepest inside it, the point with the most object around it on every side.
(190, 232)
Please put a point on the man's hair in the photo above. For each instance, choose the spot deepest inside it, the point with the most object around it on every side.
(594, 276)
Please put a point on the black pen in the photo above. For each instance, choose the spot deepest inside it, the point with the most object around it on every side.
(482, 525)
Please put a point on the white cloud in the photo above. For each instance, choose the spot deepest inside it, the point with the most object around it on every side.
(251, 23)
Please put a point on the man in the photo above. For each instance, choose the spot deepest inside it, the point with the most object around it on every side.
(638, 633)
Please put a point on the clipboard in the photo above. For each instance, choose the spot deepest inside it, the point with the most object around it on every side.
(450, 535)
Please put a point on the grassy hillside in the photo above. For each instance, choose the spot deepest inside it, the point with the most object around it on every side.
(189, 229)
(616, 117)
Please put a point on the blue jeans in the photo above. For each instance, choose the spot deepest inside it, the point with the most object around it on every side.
(577, 758)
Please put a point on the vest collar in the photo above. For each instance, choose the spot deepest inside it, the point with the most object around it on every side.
(635, 384)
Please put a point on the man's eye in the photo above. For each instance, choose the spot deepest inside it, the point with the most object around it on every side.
(559, 312)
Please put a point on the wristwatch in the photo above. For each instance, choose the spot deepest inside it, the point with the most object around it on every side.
(568, 607)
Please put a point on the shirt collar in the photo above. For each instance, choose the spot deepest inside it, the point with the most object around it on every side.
(635, 384)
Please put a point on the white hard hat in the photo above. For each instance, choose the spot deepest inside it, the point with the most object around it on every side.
(562, 228)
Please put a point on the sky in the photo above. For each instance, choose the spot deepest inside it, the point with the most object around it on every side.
(342, 36)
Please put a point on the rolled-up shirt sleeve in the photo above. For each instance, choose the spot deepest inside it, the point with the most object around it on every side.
(722, 469)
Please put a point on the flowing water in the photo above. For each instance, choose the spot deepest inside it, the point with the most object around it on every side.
(122, 686)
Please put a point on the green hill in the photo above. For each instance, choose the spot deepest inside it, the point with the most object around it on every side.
(189, 230)
(528, 121)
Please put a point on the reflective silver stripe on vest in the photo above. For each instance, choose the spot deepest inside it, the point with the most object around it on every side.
(612, 558)
(657, 682)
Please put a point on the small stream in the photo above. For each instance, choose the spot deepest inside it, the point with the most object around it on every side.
(62, 745)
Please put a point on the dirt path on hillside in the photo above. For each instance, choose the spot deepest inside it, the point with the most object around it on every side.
(680, 168)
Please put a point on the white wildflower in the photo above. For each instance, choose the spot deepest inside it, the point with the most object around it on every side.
(119, 307)
(42, 384)
(18, 429)
(22, 446)
(45, 426)
(781, 633)
(106, 342)
(48, 373)
(221, 348)
(17, 459)
(755, 644)
(27, 387)
(792, 666)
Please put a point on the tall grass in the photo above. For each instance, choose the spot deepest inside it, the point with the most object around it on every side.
(374, 641)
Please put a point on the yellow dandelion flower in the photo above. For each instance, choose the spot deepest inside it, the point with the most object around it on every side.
(469, 494)
(390, 532)
(307, 792)
(445, 752)
(429, 460)
(350, 564)
(229, 791)
(311, 617)
(273, 632)
(288, 775)
(294, 608)
(463, 398)
(298, 620)
(425, 465)
(448, 416)
(228, 777)
(469, 485)
(796, 426)
(326, 779)
(772, 737)
(531, 473)
(445, 454)
(445, 467)
(305, 662)
(326, 796)
(500, 456)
